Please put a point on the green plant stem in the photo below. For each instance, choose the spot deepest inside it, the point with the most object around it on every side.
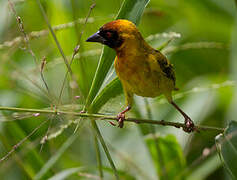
(76, 50)
(163, 172)
(54, 36)
(107, 117)
(99, 136)
(22, 141)
(98, 156)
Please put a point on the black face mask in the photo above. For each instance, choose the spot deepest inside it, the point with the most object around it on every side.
(106, 37)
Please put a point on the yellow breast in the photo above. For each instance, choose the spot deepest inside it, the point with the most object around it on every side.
(140, 75)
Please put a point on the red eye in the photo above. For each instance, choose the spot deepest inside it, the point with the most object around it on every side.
(109, 34)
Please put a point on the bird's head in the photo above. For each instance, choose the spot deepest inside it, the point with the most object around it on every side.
(115, 33)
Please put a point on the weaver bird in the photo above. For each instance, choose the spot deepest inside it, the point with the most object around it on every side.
(141, 69)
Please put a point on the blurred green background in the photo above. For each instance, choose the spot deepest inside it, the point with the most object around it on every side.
(204, 58)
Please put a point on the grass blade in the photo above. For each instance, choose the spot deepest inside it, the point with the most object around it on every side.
(54, 35)
(98, 156)
(56, 156)
(113, 89)
(99, 136)
(169, 160)
(205, 169)
(132, 10)
(65, 173)
(105, 62)
(227, 148)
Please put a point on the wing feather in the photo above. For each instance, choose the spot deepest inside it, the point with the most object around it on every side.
(166, 67)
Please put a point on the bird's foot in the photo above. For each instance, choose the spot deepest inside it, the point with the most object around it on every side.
(189, 125)
(120, 118)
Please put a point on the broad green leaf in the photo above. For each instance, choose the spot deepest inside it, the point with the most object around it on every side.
(167, 156)
(227, 147)
(65, 173)
(131, 10)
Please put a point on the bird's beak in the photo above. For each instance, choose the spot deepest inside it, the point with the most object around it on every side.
(96, 38)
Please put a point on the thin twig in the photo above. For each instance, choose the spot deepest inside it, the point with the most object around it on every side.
(21, 142)
(168, 50)
(21, 28)
(45, 32)
(23, 74)
(54, 36)
(78, 45)
(43, 63)
(45, 138)
(76, 50)
(107, 117)
(195, 45)
(26, 40)
(42, 33)
(213, 86)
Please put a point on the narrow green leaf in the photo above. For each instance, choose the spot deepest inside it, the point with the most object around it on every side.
(122, 174)
(132, 10)
(227, 147)
(99, 136)
(169, 160)
(65, 173)
(54, 35)
(33, 161)
(56, 156)
(105, 62)
(112, 89)
(98, 156)
(205, 169)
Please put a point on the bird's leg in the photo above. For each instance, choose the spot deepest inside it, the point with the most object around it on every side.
(121, 116)
(188, 121)
(129, 101)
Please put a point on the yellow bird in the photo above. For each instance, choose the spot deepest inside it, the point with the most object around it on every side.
(141, 69)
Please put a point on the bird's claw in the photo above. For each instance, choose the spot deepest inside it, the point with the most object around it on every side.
(189, 125)
(120, 118)
(112, 123)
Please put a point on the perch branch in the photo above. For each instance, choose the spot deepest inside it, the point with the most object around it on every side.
(106, 117)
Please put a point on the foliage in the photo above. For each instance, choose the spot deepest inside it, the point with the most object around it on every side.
(227, 147)
(198, 37)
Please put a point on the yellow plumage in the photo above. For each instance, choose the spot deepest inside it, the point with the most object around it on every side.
(141, 69)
